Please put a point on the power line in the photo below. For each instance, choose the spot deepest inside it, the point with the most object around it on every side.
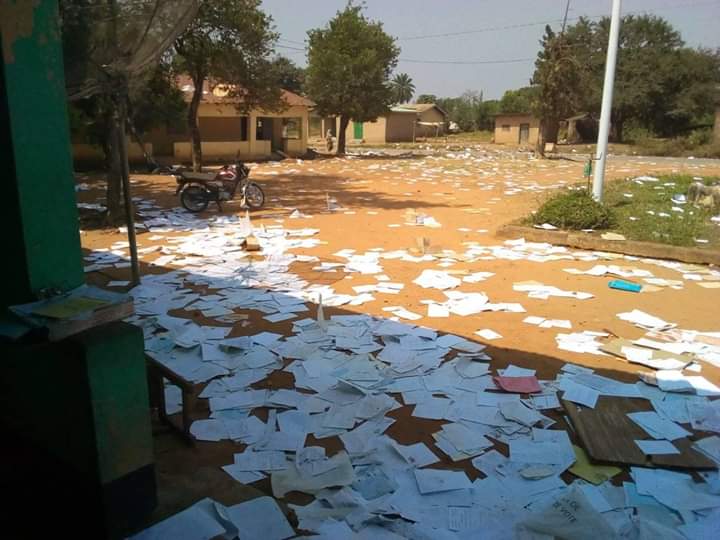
(542, 23)
(467, 62)
(291, 48)
(291, 41)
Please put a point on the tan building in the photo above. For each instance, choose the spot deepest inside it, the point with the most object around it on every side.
(432, 121)
(516, 129)
(403, 123)
(224, 131)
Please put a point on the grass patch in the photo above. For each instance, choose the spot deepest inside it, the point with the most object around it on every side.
(574, 209)
(640, 209)
(644, 210)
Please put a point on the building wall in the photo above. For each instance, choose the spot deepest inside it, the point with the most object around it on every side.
(213, 130)
(431, 115)
(373, 132)
(400, 127)
(507, 129)
(92, 153)
(716, 129)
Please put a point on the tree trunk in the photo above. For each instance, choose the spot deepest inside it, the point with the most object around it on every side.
(552, 127)
(540, 144)
(193, 125)
(344, 121)
(114, 172)
(619, 121)
(135, 134)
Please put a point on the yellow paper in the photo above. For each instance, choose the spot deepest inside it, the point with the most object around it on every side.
(596, 474)
(67, 308)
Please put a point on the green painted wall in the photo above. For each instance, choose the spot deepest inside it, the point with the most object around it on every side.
(38, 219)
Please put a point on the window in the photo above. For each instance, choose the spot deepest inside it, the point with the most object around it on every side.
(263, 129)
(223, 128)
(506, 127)
(292, 128)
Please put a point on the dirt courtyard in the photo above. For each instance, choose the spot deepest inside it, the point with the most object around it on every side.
(365, 203)
(470, 194)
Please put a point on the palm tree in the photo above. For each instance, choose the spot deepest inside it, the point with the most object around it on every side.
(403, 87)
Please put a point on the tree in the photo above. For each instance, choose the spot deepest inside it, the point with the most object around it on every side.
(518, 101)
(110, 51)
(155, 102)
(426, 98)
(349, 65)
(230, 42)
(557, 86)
(287, 74)
(485, 114)
(403, 88)
(463, 110)
(660, 84)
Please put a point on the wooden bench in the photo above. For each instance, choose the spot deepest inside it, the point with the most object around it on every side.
(157, 372)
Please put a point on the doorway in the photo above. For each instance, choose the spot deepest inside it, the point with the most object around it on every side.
(524, 133)
(357, 130)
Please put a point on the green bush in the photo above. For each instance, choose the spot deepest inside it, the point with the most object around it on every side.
(699, 137)
(574, 209)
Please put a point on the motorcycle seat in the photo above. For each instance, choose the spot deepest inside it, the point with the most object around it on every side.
(203, 177)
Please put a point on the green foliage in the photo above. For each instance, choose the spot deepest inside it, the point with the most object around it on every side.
(518, 101)
(287, 74)
(469, 111)
(231, 41)
(403, 88)
(426, 98)
(157, 101)
(349, 65)
(660, 84)
(557, 84)
(574, 209)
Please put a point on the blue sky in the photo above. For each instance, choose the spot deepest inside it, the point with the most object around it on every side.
(697, 20)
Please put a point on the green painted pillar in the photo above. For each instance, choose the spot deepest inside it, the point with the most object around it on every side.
(38, 219)
(75, 412)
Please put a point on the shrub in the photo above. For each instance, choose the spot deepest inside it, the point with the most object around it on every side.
(574, 209)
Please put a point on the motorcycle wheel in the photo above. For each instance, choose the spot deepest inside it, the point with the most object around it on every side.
(194, 199)
(254, 196)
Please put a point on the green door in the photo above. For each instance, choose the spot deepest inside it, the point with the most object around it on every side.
(357, 130)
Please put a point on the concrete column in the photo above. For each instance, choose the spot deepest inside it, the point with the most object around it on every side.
(252, 128)
(39, 219)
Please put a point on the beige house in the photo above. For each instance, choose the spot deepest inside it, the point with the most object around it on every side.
(402, 123)
(516, 128)
(225, 131)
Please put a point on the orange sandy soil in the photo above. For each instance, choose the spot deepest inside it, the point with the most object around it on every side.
(463, 191)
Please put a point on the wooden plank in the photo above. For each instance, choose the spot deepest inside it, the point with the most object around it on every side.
(609, 435)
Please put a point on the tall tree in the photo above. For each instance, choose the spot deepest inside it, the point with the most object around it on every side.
(349, 65)
(557, 83)
(230, 41)
(659, 83)
(288, 75)
(403, 87)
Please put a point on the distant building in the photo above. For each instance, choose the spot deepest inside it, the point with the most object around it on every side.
(402, 123)
(225, 132)
(516, 128)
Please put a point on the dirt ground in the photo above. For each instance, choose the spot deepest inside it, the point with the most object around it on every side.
(471, 194)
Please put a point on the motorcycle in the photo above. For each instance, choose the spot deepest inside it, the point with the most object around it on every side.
(198, 190)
